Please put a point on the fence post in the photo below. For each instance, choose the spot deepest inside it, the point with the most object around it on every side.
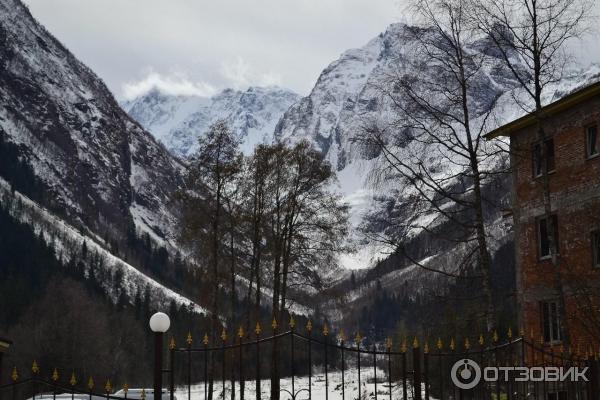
(4, 345)
(257, 330)
(325, 335)
(172, 346)
(159, 324)
(417, 369)
(309, 330)
(404, 386)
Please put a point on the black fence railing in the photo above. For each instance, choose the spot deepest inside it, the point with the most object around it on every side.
(307, 366)
(311, 366)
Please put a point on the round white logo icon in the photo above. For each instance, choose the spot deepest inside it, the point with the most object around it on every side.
(465, 374)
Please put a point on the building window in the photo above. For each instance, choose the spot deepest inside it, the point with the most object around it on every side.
(596, 249)
(591, 139)
(538, 164)
(551, 326)
(543, 228)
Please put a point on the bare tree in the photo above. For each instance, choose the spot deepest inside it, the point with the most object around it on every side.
(531, 36)
(210, 185)
(442, 110)
(305, 225)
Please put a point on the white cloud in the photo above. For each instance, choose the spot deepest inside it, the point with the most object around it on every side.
(240, 74)
(172, 84)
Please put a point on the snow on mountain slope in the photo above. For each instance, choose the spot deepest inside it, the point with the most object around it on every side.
(178, 121)
(67, 241)
(346, 98)
(97, 164)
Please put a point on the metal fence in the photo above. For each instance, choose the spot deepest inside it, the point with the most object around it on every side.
(320, 365)
(407, 370)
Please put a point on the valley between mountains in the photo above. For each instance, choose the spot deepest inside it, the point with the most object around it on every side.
(90, 184)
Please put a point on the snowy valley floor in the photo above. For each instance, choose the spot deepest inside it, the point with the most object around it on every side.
(301, 388)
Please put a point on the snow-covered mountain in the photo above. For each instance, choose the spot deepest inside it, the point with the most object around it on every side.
(99, 168)
(346, 98)
(178, 121)
(80, 169)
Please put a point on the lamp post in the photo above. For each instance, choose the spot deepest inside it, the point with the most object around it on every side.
(4, 345)
(159, 324)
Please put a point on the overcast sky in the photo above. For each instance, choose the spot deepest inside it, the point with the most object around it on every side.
(201, 46)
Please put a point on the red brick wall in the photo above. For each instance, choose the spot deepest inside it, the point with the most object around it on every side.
(575, 194)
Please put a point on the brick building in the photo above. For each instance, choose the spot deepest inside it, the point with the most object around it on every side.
(572, 162)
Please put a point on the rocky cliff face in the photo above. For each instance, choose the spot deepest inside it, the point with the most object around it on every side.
(100, 169)
(347, 97)
(178, 121)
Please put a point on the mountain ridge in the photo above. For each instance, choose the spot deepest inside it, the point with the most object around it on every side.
(97, 164)
(179, 120)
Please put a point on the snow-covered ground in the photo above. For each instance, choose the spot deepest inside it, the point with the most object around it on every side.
(351, 391)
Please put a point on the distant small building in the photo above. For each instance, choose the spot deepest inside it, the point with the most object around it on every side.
(572, 160)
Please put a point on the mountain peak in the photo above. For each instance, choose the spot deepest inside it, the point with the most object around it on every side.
(178, 121)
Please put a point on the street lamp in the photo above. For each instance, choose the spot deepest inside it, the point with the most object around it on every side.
(159, 324)
(4, 345)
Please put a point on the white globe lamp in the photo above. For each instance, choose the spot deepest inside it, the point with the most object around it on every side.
(160, 322)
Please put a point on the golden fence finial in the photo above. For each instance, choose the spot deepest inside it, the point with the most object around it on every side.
(35, 367)
(522, 332)
(325, 330)
(509, 334)
(309, 326)
(452, 344)
(440, 344)
(467, 344)
(342, 335)
(90, 383)
(143, 396)
(426, 348)
(73, 380)
(125, 388)
(15, 374)
(495, 337)
(292, 322)
(274, 324)
(241, 332)
(224, 335)
(541, 340)
(415, 343)
(189, 340)
(357, 338)
(403, 346)
(257, 329)
(205, 339)
(55, 375)
(172, 344)
(108, 386)
(481, 339)
(388, 343)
